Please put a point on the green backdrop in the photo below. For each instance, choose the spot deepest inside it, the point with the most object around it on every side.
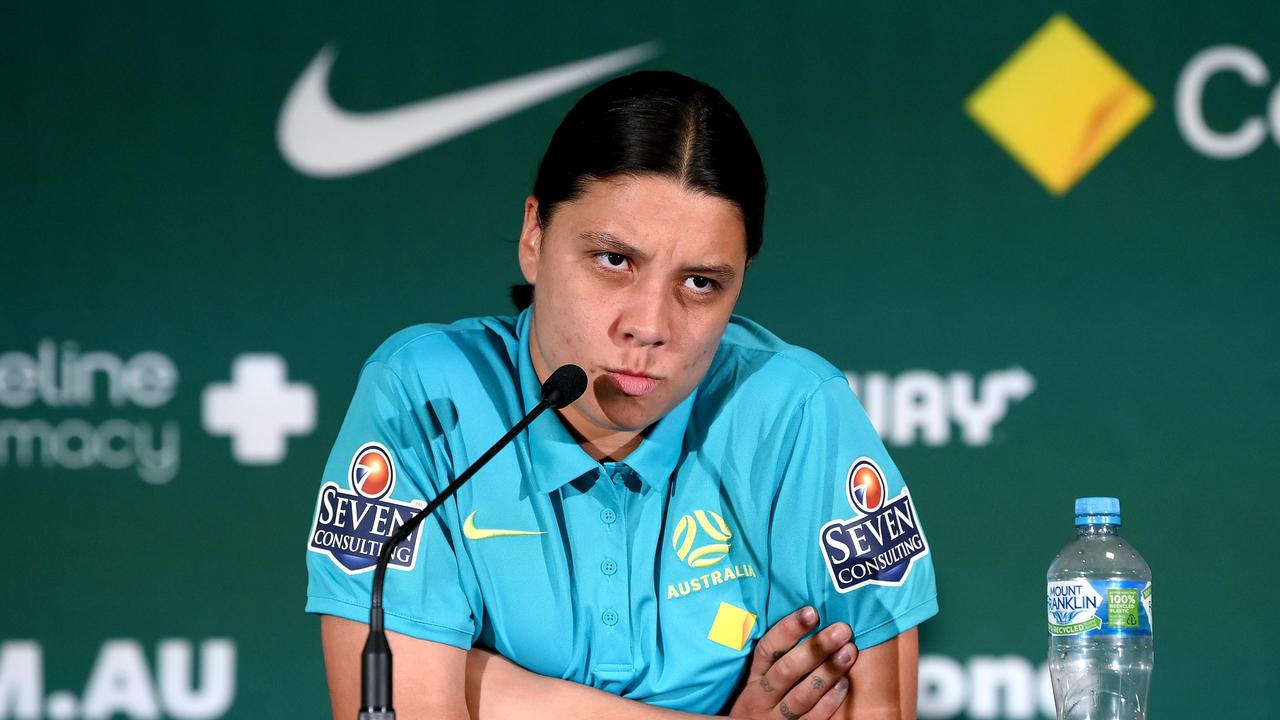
(1016, 347)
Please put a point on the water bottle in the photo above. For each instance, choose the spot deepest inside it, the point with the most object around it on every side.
(1100, 642)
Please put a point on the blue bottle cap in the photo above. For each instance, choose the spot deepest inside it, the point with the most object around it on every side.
(1097, 511)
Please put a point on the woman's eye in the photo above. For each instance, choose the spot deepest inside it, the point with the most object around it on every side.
(700, 285)
(611, 260)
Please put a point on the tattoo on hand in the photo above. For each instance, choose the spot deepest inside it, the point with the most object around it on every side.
(786, 712)
(765, 685)
(817, 682)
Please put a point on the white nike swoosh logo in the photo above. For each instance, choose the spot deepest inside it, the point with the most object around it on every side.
(322, 140)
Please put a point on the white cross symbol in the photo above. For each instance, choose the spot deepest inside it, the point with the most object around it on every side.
(259, 409)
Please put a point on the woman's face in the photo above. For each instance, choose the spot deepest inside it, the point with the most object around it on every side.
(636, 281)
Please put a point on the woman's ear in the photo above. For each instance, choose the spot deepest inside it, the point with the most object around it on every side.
(530, 241)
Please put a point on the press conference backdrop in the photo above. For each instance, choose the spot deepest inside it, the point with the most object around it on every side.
(1041, 238)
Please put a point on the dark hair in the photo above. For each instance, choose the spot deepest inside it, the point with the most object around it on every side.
(653, 122)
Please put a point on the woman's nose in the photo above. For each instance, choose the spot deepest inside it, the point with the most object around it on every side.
(644, 318)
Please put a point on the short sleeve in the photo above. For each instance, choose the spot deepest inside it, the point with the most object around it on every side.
(845, 535)
(381, 471)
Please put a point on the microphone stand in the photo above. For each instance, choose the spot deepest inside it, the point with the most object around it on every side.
(563, 387)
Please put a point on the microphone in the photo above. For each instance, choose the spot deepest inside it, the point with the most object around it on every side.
(564, 386)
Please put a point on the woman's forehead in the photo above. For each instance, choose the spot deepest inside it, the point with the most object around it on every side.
(655, 215)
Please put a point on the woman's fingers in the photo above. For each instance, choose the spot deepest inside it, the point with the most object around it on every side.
(830, 702)
(805, 696)
(804, 658)
(781, 638)
(793, 679)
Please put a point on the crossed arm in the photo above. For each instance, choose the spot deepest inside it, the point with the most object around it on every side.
(787, 681)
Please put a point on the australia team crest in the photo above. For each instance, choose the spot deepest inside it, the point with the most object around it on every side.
(878, 545)
(353, 523)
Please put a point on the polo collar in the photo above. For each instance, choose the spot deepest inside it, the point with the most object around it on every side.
(556, 458)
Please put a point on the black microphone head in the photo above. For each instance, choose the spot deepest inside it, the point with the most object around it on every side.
(564, 386)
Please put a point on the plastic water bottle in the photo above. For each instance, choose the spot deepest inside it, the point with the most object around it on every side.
(1100, 641)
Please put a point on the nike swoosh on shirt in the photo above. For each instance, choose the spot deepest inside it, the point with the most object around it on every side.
(474, 533)
(322, 140)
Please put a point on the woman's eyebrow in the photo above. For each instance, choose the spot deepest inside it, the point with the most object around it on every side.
(612, 243)
(724, 273)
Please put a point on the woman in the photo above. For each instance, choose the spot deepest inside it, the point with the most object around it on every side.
(712, 482)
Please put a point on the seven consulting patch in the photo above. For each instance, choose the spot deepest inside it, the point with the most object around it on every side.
(878, 546)
(352, 525)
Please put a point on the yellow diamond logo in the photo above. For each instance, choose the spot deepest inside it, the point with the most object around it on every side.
(732, 626)
(1059, 104)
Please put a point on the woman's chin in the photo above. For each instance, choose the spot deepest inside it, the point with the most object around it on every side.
(632, 414)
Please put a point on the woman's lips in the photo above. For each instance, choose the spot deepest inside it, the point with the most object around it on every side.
(633, 385)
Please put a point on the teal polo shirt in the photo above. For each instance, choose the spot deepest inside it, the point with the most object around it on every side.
(765, 490)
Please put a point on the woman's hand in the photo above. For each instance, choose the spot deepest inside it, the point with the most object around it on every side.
(793, 681)
(787, 681)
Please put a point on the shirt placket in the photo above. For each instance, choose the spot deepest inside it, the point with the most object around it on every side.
(612, 653)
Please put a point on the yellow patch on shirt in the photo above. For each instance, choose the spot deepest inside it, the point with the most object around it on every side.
(732, 626)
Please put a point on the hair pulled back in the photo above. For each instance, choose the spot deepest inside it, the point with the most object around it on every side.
(653, 122)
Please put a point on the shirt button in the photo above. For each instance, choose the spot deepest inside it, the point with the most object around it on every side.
(609, 567)
(608, 516)
(609, 617)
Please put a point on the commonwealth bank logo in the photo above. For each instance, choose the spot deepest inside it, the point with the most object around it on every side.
(1059, 104)
(686, 537)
